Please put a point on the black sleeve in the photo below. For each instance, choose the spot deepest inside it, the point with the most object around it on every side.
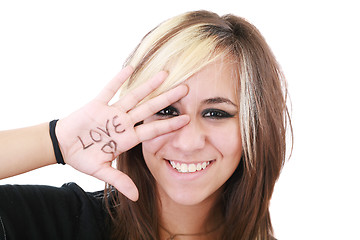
(50, 213)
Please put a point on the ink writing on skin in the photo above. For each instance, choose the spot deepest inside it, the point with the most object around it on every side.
(101, 135)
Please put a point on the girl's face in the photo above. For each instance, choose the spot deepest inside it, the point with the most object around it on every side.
(192, 163)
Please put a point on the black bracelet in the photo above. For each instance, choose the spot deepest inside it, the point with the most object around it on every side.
(55, 143)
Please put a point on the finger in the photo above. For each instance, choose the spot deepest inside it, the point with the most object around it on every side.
(119, 180)
(134, 97)
(156, 128)
(113, 86)
(158, 103)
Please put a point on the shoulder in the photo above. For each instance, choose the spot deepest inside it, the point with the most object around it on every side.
(49, 212)
(69, 197)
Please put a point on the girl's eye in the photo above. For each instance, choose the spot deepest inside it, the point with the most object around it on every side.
(169, 111)
(216, 114)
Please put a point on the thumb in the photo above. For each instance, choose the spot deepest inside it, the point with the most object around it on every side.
(119, 180)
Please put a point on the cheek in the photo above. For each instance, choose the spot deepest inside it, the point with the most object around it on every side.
(150, 149)
(154, 145)
(227, 141)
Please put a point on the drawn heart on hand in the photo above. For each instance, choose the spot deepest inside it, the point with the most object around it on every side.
(110, 147)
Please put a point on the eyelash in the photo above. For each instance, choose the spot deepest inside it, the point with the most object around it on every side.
(169, 111)
(211, 113)
(216, 114)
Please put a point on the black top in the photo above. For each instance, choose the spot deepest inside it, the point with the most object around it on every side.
(50, 213)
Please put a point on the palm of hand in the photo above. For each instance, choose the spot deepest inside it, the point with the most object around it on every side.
(92, 137)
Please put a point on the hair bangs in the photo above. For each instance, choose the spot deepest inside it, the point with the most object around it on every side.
(181, 55)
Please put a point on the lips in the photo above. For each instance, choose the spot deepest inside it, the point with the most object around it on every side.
(189, 168)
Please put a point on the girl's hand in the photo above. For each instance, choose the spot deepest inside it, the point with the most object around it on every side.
(92, 137)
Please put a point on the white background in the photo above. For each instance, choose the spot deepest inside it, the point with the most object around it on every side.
(56, 55)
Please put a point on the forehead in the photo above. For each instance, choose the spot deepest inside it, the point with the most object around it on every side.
(216, 79)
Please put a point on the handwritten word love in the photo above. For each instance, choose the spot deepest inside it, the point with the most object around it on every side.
(101, 135)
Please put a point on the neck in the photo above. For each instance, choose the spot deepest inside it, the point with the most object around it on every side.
(189, 222)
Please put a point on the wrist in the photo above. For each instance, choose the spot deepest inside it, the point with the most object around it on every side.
(55, 143)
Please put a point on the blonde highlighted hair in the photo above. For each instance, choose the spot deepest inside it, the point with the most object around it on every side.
(181, 52)
(183, 45)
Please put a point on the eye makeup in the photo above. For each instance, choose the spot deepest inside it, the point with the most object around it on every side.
(214, 113)
(169, 111)
(211, 113)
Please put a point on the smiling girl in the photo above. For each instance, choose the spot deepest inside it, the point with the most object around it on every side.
(198, 135)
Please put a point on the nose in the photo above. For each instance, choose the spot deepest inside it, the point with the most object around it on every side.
(191, 137)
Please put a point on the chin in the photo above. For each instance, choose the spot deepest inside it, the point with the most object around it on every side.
(192, 197)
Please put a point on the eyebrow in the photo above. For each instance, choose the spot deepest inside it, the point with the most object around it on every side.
(218, 100)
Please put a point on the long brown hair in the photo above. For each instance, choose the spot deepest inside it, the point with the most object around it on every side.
(187, 43)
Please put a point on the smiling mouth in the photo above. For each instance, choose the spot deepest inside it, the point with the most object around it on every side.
(189, 168)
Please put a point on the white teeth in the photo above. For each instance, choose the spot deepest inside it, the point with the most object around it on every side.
(184, 168)
(192, 168)
(203, 165)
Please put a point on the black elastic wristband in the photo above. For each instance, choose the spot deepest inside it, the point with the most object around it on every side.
(55, 143)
